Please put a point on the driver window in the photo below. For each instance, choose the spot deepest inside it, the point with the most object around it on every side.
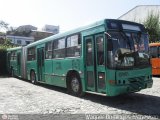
(116, 40)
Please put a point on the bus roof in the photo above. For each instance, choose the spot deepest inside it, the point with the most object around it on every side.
(15, 48)
(154, 44)
(60, 35)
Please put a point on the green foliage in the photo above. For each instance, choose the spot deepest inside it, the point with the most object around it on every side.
(152, 24)
(4, 47)
(3, 25)
(7, 44)
(3, 59)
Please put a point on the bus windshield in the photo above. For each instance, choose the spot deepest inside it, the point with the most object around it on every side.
(127, 50)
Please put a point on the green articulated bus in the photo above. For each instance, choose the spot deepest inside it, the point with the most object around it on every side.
(109, 57)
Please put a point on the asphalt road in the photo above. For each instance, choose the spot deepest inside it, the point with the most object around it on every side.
(19, 97)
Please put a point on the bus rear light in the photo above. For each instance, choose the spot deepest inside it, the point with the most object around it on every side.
(112, 82)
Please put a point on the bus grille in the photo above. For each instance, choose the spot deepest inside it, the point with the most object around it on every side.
(136, 83)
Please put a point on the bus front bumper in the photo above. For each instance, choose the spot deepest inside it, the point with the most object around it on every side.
(130, 88)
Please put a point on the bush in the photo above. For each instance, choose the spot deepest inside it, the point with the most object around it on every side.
(152, 24)
(3, 62)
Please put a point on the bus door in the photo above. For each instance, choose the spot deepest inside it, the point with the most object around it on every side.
(90, 64)
(40, 61)
(18, 63)
(100, 63)
(95, 63)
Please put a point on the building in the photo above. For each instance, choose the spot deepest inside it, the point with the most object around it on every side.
(21, 35)
(20, 40)
(38, 35)
(26, 28)
(140, 13)
(51, 28)
(26, 34)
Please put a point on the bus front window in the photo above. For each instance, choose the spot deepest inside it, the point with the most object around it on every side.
(126, 50)
(140, 41)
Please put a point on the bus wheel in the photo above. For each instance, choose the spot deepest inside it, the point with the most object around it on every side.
(75, 86)
(33, 77)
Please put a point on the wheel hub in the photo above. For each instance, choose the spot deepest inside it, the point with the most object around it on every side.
(75, 85)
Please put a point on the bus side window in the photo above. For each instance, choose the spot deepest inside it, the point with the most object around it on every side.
(73, 46)
(59, 48)
(18, 58)
(48, 50)
(31, 55)
(13, 55)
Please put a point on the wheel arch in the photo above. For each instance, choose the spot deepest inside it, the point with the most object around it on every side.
(69, 73)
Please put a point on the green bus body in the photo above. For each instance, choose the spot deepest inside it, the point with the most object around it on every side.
(78, 60)
(14, 61)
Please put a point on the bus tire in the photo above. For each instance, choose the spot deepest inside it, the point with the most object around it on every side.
(33, 77)
(74, 85)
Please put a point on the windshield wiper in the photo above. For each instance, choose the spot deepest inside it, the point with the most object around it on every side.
(108, 34)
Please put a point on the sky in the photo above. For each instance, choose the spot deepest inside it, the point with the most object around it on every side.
(68, 14)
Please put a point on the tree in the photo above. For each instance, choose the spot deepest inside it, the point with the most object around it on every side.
(3, 25)
(152, 24)
(6, 43)
(11, 30)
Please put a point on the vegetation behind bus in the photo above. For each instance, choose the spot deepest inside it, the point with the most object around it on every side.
(3, 70)
(3, 56)
(152, 24)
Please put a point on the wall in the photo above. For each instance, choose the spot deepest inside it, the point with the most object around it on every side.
(140, 13)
